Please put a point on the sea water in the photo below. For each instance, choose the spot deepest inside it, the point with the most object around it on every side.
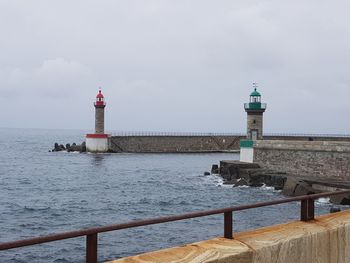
(44, 192)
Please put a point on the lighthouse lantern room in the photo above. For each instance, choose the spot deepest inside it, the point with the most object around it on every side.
(98, 141)
(255, 110)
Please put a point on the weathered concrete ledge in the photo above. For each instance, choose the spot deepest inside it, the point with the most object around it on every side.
(323, 240)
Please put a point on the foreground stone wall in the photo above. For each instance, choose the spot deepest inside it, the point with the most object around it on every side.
(162, 144)
(327, 159)
(173, 144)
(324, 240)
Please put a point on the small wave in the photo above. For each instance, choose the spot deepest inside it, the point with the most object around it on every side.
(164, 203)
(32, 209)
(323, 200)
(264, 187)
(25, 182)
(267, 187)
(26, 225)
(11, 205)
(145, 201)
(55, 214)
(224, 185)
(243, 186)
(171, 239)
(216, 180)
(61, 260)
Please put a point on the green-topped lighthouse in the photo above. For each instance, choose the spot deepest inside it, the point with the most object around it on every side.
(255, 110)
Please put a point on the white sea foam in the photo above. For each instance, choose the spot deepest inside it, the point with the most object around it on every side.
(243, 186)
(217, 180)
(323, 200)
(264, 187)
(226, 185)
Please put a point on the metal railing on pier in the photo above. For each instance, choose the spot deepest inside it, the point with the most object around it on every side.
(307, 213)
(327, 135)
(235, 134)
(172, 134)
(158, 133)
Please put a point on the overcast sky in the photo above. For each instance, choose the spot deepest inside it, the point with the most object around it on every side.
(175, 65)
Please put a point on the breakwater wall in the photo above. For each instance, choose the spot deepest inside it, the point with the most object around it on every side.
(325, 159)
(192, 143)
(323, 240)
(173, 144)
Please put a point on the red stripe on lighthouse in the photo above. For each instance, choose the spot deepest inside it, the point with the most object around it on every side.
(93, 135)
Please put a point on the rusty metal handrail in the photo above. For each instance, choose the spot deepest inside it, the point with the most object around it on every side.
(307, 213)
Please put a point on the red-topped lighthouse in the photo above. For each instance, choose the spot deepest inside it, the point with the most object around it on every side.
(100, 105)
(98, 141)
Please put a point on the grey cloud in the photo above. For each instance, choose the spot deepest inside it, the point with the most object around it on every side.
(53, 78)
(177, 65)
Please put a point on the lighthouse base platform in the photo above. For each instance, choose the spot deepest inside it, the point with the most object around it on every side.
(97, 142)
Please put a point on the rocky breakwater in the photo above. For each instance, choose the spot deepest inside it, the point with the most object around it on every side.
(69, 147)
(250, 174)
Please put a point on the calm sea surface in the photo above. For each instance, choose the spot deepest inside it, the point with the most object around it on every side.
(43, 193)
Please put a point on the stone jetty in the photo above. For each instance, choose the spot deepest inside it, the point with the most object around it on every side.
(251, 174)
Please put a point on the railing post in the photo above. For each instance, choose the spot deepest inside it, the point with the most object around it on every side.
(307, 210)
(303, 210)
(91, 248)
(311, 209)
(228, 225)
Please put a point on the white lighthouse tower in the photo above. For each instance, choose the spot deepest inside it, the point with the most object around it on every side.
(98, 141)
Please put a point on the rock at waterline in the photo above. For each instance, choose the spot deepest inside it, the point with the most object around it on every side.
(240, 182)
(58, 147)
(69, 148)
(215, 169)
(340, 199)
(296, 187)
(239, 173)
